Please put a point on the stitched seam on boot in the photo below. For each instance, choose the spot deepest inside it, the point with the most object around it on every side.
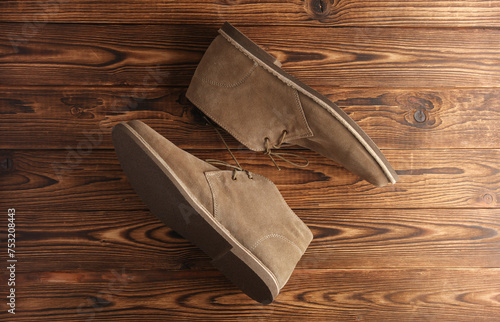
(223, 125)
(309, 132)
(286, 204)
(238, 137)
(232, 85)
(211, 174)
(276, 236)
(325, 106)
(218, 174)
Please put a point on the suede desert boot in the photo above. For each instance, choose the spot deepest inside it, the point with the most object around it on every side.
(244, 90)
(237, 218)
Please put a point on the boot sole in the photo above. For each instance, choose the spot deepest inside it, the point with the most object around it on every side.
(169, 199)
(265, 60)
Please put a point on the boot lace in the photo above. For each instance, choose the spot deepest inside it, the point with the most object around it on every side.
(269, 152)
(236, 168)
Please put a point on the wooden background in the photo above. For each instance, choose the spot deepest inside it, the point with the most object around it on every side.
(422, 78)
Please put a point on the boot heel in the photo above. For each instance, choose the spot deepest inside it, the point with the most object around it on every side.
(245, 274)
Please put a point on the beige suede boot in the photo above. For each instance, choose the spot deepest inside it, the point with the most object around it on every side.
(244, 90)
(237, 218)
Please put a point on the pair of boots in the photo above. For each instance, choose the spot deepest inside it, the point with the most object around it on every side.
(237, 217)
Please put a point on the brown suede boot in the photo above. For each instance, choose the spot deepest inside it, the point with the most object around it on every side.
(244, 90)
(237, 218)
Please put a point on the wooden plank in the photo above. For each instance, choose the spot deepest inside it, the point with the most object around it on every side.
(93, 180)
(343, 238)
(402, 238)
(338, 295)
(88, 249)
(79, 54)
(305, 13)
(395, 118)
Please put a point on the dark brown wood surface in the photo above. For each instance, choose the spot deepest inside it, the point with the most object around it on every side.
(69, 179)
(395, 118)
(328, 295)
(422, 78)
(319, 13)
(343, 239)
(83, 54)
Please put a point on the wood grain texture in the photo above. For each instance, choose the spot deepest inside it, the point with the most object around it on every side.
(343, 239)
(321, 13)
(395, 118)
(82, 54)
(338, 295)
(93, 180)
(421, 77)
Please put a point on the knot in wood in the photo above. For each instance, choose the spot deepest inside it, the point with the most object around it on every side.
(319, 8)
(488, 198)
(76, 110)
(419, 116)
